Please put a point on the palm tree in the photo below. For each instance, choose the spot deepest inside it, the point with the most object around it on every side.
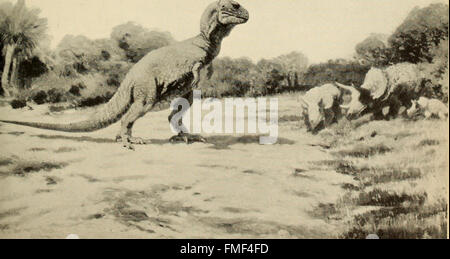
(20, 28)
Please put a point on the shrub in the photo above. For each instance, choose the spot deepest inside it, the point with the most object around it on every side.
(436, 73)
(56, 95)
(40, 97)
(93, 101)
(75, 90)
(17, 104)
(344, 71)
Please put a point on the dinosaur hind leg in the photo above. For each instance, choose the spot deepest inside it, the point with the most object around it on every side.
(136, 111)
(184, 136)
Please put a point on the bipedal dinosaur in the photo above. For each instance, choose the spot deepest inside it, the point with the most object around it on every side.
(162, 75)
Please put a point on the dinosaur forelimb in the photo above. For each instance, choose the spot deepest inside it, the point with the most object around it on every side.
(196, 72)
(210, 71)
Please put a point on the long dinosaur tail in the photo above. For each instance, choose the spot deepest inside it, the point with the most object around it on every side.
(110, 113)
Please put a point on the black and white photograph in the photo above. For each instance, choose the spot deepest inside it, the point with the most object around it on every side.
(224, 119)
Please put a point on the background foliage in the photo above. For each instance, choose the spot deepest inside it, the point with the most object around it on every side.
(81, 71)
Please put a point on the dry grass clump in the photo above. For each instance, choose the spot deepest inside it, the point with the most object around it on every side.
(391, 195)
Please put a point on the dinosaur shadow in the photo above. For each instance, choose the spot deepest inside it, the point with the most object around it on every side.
(76, 138)
(225, 141)
(95, 140)
(217, 142)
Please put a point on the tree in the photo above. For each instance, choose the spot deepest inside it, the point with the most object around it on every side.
(293, 64)
(373, 50)
(232, 77)
(419, 33)
(20, 28)
(343, 71)
(77, 55)
(272, 75)
(436, 73)
(137, 41)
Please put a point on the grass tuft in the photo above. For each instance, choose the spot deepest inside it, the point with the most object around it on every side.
(378, 197)
(22, 168)
(428, 142)
(362, 151)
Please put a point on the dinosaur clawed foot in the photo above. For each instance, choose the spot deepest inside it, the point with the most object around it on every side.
(128, 141)
(187, 138)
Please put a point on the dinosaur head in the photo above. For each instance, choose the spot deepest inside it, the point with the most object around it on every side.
(371, 91)
(231, 12)
(376, 83)
(220, 18)
(313, 113)
(359, 100)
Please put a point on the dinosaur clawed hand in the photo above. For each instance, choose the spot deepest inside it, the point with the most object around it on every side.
(187, 138)
(194, 84)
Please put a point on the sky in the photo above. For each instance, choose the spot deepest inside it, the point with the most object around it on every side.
(321, 29)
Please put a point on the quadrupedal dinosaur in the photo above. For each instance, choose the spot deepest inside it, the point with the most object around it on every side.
(162, 75)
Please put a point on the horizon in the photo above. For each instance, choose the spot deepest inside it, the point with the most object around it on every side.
(322, 23)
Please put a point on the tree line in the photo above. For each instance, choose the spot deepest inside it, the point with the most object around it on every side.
(86, 72)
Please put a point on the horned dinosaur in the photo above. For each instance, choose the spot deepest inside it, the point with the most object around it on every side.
(163, 74)
(393, 87)
(321, 105)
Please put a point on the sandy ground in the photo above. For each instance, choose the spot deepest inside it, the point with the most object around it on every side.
(53, 184)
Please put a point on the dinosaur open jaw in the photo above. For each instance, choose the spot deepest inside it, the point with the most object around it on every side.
(226, 17)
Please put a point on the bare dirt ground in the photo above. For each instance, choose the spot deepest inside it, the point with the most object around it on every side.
(306, 186)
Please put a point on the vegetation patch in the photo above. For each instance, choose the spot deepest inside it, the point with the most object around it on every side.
(23, 168)
(348, 168)
(378, 197)
(58, 108)
(36, 149)
(17, 104)
(428, 142)
(96, 216)
(249, 227)
(11, 212)
(251, 172)
(224, 142)
(324, 211)
(362, 151)
(5, 161)
(65, 150)
(16, 133)
(289, 118)
(413, 222)
(386, 175)
(350, 187)
(51, 180)
(40, 97)
(93, 101)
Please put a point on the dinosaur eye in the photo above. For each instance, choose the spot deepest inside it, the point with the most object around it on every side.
(236, 5)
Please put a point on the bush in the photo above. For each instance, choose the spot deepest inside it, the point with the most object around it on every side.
(436, 72)
(93, 101)
(40, 97)
(344, 71)
(17, 104)
(87, 90)
(75, 90)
